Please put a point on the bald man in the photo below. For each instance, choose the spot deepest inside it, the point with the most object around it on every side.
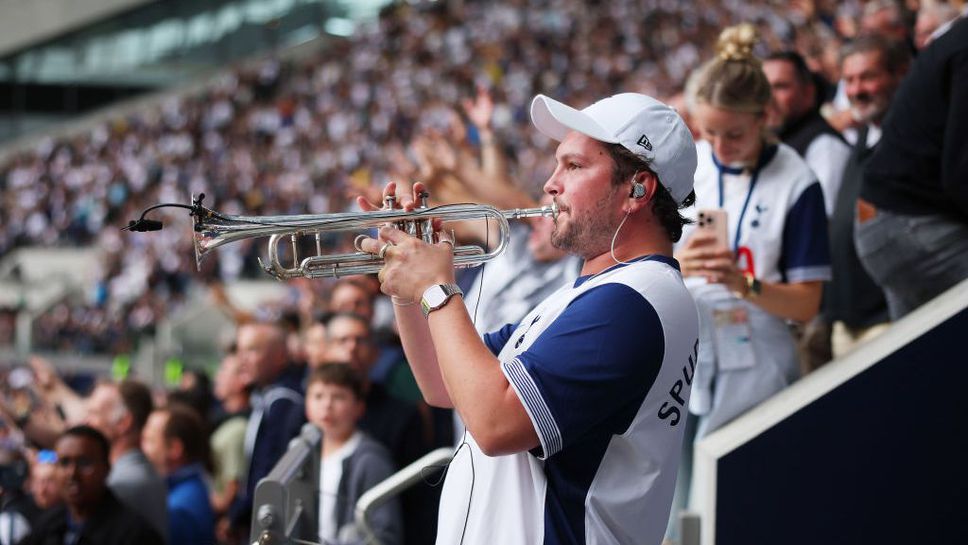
(277, 406)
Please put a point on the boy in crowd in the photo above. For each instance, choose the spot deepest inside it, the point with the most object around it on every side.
(352, 462)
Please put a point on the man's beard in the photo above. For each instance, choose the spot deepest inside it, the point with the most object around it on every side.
(587, 235)
(868, 108)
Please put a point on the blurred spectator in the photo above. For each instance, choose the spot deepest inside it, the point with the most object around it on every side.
(917, 181)
(92, 514)
(360, 296)
(119, 412)
(43, 480)
(289, 321)
(18, 511)
(277, 408)
(38, 403)
(314, 343)
(854, 305)
(870, 78)
(352, 297)
(890, 19)
(228, 439)
(799, 124)
(932, 15)
(176, 442)
(195, 390)
(56, 392)
(352, 462)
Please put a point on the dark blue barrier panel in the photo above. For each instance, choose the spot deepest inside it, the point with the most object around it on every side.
(880, 459)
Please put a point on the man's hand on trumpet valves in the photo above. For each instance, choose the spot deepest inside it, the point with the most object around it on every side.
(410, 264)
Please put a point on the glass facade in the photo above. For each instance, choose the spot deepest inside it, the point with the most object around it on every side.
(156, 46)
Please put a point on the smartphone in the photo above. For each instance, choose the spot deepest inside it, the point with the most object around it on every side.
(713, 220)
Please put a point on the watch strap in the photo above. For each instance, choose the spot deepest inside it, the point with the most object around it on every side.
(437, 296)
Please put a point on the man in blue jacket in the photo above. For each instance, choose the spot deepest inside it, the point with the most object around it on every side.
(175, 441)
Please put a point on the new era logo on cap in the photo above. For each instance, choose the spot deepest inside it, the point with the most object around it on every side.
(644, 142)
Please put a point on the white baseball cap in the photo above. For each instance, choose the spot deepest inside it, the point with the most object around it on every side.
(640, 123)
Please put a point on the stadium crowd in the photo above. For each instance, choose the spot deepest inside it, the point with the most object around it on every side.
(286, 138)
(436, 92)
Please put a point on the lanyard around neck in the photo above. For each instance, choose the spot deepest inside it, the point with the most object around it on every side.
(765, 156)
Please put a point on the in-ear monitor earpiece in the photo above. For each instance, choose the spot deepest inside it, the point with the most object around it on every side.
(638, 190)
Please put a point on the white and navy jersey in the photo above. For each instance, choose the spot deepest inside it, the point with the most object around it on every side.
(780, 227)
(603, 368)
(784, 224)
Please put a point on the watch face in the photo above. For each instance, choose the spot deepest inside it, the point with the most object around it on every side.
(435, 296)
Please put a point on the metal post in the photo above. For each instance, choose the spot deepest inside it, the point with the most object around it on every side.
(24, 332)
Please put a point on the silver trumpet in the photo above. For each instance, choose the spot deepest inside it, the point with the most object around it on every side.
(213, 229)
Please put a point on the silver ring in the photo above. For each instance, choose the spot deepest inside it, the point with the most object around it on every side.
(356, 242)
(383, 250)
(448, 241)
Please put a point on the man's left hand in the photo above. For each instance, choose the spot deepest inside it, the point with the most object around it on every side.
(411, 265)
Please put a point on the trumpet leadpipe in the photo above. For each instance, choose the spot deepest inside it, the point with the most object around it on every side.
(542, 211)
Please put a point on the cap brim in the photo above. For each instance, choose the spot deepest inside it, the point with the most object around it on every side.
(555, 120)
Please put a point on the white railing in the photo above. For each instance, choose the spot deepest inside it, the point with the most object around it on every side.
(843, 422)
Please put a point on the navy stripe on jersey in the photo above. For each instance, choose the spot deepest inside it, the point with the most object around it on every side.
(613, 345)
(496, 340)
(806, 248)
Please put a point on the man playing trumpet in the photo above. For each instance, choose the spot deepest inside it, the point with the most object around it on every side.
(574, 415)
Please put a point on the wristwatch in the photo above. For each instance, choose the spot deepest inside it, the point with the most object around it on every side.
(753, 286)
(437, 296)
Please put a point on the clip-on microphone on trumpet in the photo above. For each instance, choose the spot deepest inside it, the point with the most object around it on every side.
(143, 224)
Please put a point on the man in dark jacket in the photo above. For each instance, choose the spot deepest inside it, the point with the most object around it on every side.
(277, 407)
(854, 304)
(92, 515)
(913, 237)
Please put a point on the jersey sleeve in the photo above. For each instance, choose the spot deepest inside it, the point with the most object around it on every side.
(806, 247)
(591, 368)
